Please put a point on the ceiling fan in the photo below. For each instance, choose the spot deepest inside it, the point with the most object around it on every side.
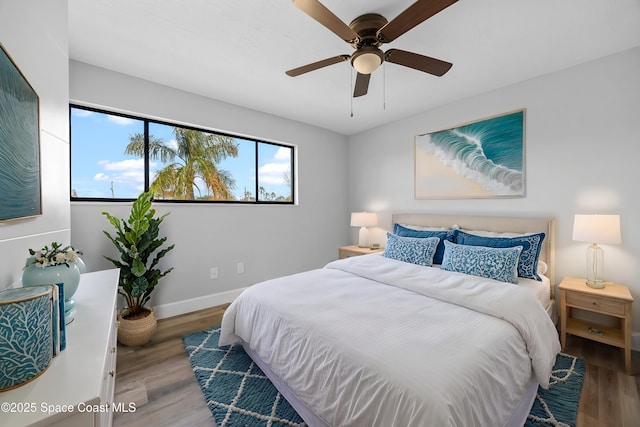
(367, 33)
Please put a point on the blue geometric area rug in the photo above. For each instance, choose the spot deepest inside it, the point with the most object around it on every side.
(239, 394)
(558, 406)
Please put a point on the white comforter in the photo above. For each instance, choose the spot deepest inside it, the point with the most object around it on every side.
(377, 342)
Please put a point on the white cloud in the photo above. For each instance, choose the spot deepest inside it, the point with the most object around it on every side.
(273, 168)
(273, 173)
(119, 120)
(129, 164)
(283, 153)
(125, 171)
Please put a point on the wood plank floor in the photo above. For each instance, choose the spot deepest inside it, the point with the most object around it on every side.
(157, 377)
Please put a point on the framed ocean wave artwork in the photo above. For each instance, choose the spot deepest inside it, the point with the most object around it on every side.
(19, 143)
(481, 159)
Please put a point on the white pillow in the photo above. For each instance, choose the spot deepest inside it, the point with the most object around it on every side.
(542, 267)
(420, 227)
(485, 233)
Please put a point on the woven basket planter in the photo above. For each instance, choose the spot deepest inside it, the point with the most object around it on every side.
(137, 331)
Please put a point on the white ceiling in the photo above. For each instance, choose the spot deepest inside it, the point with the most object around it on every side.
(238, 50)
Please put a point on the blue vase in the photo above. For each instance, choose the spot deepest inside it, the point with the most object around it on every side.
(81, 265)
(52, 275)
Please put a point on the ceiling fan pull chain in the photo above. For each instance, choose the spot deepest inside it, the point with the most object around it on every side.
(384, 87)
(350, 86)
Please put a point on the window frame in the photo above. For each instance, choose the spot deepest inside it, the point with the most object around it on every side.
(147, 173)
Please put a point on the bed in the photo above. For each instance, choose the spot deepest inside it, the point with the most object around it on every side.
(378, 341)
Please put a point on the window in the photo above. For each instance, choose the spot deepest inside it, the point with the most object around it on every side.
(99, 166)
(116, 157)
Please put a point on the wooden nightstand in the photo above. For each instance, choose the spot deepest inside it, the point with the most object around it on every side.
(355, 250)
(613, 300)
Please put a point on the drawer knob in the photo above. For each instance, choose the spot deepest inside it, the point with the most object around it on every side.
(594, 303)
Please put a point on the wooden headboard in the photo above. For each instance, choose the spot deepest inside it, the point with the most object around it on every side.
(493, 223)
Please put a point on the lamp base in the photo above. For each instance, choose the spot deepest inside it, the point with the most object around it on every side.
(363, 237)
(596, 284)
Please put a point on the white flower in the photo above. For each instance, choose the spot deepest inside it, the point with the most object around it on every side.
(56, 255)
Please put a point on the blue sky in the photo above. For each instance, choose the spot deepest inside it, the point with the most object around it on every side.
(100, 168)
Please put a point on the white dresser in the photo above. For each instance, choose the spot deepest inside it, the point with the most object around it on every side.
(77, 389)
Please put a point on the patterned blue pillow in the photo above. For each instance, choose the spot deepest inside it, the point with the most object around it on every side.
(531, 247)
(494, 263)
(443, 235)
(411, 249)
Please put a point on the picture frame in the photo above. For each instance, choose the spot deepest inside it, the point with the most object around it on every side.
(20, 188)
(479, 159)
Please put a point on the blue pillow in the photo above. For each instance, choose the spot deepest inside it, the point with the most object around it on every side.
(411, 249)
(531, 247)
(494, 263)
(443, 235)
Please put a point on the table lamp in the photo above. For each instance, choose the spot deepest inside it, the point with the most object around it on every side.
(364, 220)
(596, 229)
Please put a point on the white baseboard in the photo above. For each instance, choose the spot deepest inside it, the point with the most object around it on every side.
(195, 304)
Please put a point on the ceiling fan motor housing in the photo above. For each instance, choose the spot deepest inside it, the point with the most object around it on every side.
(367, 26)
(367, 56)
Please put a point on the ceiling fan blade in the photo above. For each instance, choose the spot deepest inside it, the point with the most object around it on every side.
(362, 85)
(316, 65)
(410, 17)
(320, 13)
(434, 66)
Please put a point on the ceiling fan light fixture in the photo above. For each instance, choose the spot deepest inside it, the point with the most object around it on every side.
(367, 59)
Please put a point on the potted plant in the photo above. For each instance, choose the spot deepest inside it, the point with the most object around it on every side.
(140, 250)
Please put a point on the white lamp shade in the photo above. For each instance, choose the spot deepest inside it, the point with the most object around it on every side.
(597, 229)
(364, 219)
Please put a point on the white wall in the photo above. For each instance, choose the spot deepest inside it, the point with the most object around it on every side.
(34, 33)
(582, 153)
(271, 241)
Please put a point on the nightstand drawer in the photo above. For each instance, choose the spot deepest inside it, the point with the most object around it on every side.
(594, 303)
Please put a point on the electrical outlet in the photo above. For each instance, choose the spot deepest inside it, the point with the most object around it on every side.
(240, 267)
(214, 272)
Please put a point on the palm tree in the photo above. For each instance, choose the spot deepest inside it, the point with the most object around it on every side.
(194, 159)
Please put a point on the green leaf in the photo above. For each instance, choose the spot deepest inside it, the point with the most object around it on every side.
(138, 268)
(139, 286)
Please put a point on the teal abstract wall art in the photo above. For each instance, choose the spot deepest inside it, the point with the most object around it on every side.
(481, 159)
(19, 143)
